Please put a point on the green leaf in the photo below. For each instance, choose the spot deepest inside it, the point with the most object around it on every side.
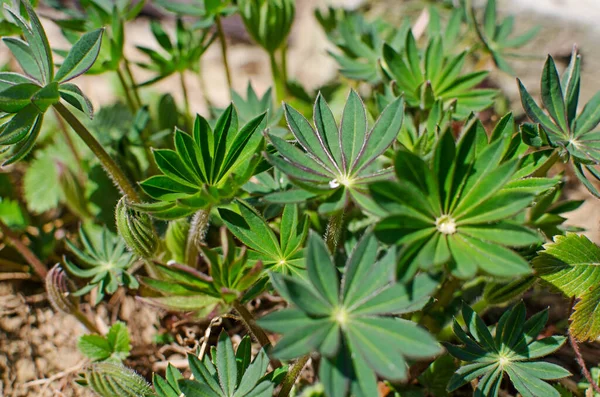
(572, 265)
(76, 98)
(226, 364)
(489, 356)
(16, 97)
(552, 94)
(114, 345)
(24, 56)
(321, 270)
(81, 57)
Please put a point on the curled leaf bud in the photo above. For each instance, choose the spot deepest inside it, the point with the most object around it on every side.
(136, 229)
(59, 288)
(268, 21)
(109, 379)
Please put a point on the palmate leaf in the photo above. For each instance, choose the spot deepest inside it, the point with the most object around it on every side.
(360, 42)
(25, 99)
(103, 260)
(560, 126)
(227, 373)
(229, 277)
(177, 55)
(432, 75)
(198, 173)
(351, 322)
(337, 162)
(513, 350)
(283, 254)
(571, 264)
(497, 36)
(457, 208)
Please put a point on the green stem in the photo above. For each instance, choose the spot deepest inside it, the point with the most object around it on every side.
(198, 228)
(333, 231)
(128, 98)
(258, 333)
(224, 51)
(134, 86)
(38, 267)
(284, 69)
(186, 100)
(278, 82)
(107, 162)
(292, 375)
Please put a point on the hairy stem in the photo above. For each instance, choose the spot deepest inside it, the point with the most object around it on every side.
(333, 231)
(579, 356)
(128, 97)
(89, 324)
(278, 81)
(134, 86)
(292, 375)
(38, 267)
(258, 333)
(110, 166)
(198, 228)
(224, 50)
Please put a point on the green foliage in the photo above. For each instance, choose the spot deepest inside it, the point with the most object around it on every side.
(114, 346)
(268, 21)
(283, 254)
(513, 350)
(11, 214)
(497, 36)
(455, 208)
(103, 260)
(360, 42)
(351, 322)
(189, 290)
(337, 162)
(227, 374)
(180, 54)
(206, 168)
(253, 104)
(25, 98)
(433, 75)
(573, 135)
(571, 264)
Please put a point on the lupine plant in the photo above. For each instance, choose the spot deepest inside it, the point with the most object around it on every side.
(398, 244)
